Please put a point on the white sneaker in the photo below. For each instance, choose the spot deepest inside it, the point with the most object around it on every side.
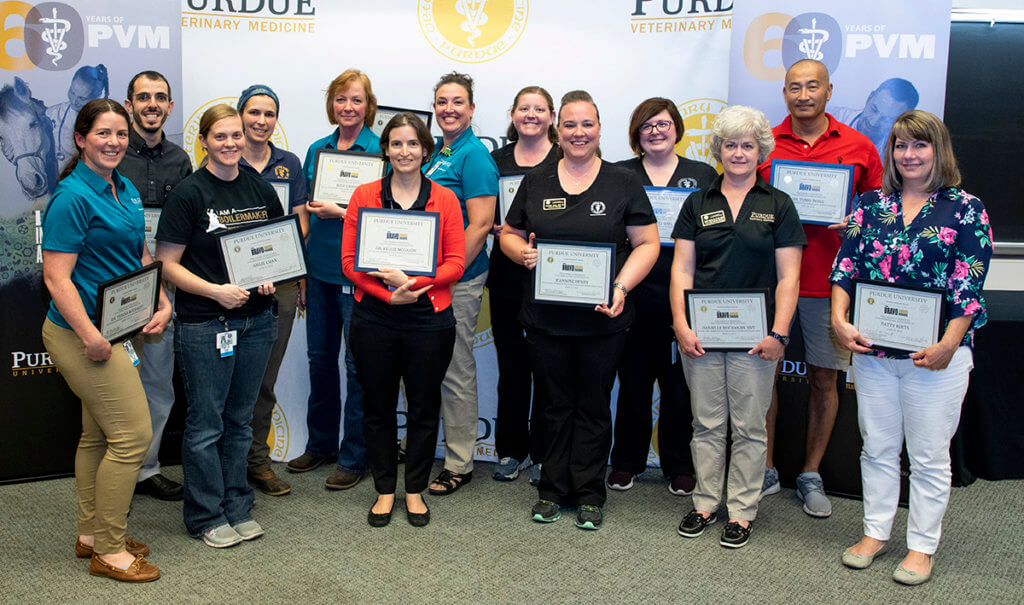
(248, 530)
(222, 536)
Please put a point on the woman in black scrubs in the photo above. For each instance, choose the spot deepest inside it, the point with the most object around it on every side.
(576, 350)
(654, 130)
(532, 137)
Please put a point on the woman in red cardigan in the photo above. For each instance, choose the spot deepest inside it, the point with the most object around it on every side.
(403, 328)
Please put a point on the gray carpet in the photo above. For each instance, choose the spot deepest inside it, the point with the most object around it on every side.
(481, 547)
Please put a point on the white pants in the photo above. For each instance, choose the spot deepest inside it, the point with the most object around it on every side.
(896, 399)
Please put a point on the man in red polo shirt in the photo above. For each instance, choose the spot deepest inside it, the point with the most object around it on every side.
(810, 134)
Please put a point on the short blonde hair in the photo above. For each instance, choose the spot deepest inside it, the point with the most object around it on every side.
(343, 81)
(921, 126)
(738, 120)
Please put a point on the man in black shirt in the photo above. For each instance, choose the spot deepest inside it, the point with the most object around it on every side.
(154, 165)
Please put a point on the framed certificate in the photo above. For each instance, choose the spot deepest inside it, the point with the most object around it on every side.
(397, 239)
(897, 318)
(573, 273)
(728, 320)
(507, 188)
(125, 304)
(151, 214)
(283, 190)
(385, 113)
(667, 202)
(820, 192)
(269, 252)
(338, 173)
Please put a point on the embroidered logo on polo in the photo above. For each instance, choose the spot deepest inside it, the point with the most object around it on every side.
(281, 172)
(687, 183)
(597, 208)
(762, 217)
(712, 218)
(557, 203)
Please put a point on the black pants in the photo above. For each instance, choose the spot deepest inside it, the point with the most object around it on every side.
(517, 432)
(577, 374)
(384, 357)
(650, 344)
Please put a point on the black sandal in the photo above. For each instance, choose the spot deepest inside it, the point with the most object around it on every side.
(450, 482)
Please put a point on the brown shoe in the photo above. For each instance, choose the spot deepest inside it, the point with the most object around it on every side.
(340, 479)
(84, 551)
(139, 571)
(269, 483)
(305, 462)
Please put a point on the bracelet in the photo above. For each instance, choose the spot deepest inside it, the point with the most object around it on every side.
(621, 287)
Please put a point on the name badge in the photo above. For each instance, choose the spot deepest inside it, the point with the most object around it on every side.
(712, 218)
(554, 204)
(226, 342)
(128, 348)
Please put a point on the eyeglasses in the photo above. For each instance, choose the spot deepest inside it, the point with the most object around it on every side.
(662, 126)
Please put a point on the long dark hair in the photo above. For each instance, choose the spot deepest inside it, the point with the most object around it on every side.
(84, 122)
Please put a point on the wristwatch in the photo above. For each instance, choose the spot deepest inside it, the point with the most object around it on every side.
(621, 287)
(779, 337)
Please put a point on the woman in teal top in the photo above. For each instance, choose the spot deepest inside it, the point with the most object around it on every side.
(93, 231)
(329, 299)
(463, 164)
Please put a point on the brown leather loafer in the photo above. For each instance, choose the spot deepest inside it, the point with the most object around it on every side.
(139, 571)
(84, 551)
(269, 483)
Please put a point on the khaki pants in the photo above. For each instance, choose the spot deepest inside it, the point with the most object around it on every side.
(459, 415)
(116, 433)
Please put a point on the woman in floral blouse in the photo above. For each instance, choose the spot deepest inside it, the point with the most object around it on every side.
(919, 230)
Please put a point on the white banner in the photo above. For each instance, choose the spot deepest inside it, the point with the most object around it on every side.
(621, 51)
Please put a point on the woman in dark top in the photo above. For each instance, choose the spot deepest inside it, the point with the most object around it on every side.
(575, 350)
(654, 129)
(223, 333)
(403, 329)
(739, 233)
(532, 137)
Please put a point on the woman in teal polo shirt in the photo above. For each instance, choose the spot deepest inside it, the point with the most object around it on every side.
(329, 299)
(93, 232)
(463, 164)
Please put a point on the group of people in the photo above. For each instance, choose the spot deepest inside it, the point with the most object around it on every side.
(557, 364)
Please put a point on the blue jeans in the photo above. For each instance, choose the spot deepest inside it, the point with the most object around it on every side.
(221, 392)
(329, 314)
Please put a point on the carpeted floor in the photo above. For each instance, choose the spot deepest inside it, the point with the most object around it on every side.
(481, 547)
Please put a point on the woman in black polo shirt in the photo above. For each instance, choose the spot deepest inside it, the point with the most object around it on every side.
(739, 233)
(576, 350)
(654, 130)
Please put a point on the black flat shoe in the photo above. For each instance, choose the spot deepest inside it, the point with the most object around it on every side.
(418, 519)
(161, 488)
(378, 520)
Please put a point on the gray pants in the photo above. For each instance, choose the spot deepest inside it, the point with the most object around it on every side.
(733, 388)
(156, 371)
(259, 453)
(459, 415)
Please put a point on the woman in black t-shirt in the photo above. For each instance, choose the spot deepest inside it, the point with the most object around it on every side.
(654, 129)
(739, 233)
(532, 137)
(575, 350)
(223, 333)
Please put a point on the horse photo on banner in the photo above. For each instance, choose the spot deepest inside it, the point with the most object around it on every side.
(56, 57)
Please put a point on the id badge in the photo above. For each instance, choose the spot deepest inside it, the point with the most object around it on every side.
(130, 349)
(226, 342)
